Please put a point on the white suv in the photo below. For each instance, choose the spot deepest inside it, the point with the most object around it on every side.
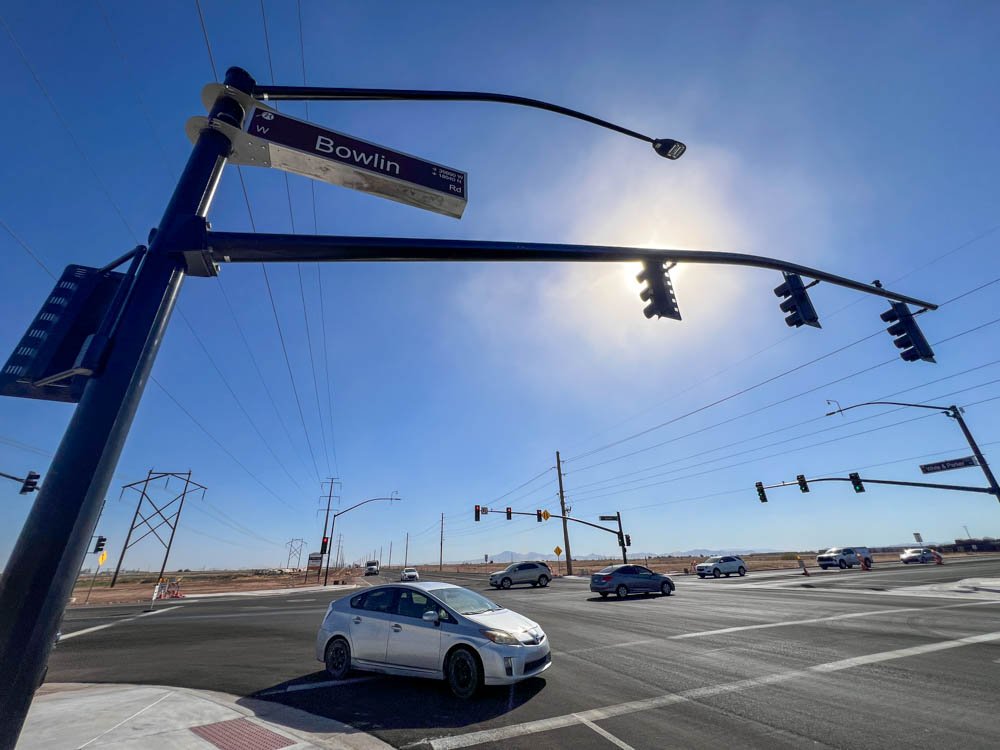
(721, 565)
(844, 557)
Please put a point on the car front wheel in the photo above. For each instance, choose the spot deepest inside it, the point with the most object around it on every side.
(505, 583)
(464, 674)
(742, 571)
(543, 581)
(666, 589)
(842, 565)
(716, 573)
(622, 591)
(338, 658)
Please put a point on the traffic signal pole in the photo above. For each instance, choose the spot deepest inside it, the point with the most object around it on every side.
(50, 550)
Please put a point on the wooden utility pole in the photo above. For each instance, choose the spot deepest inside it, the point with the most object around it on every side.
(406, 554)
(441, 550)
(562, 505)
(390, 555)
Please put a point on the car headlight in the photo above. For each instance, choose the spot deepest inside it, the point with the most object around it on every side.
(501, 637)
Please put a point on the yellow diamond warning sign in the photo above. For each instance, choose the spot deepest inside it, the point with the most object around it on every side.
(558, 550)
(546, 515)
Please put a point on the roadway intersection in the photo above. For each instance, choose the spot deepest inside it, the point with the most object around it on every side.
(839, 659)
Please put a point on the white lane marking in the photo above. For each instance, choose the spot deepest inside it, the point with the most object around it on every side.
(608, 712)
(123, 721)
(605, 734)
(94, 629)
(316, 685)
(296, 601)
(769, 625)
(830, 618)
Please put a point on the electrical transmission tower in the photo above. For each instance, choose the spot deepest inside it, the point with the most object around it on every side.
(295, 550)
(139, 519)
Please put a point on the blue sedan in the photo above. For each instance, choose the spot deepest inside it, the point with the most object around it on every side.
(623, 580)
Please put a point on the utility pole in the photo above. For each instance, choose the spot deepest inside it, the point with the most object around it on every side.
(390, 554)
(380, 556)
(967, 534)
(441, 549)
(406, 554)
(621, 538)
(562, 506)
(326, 520)
(294, 550)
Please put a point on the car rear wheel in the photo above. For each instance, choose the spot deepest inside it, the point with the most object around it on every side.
(842, 564)
(505, 583)
(622, 591)
(543, 581)
(742, 571)
(464, 673)
(338, 658)
(716, 573)
(666, 589)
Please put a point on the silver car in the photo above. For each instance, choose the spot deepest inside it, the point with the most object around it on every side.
(409, 574)
(535, 573)
(434, 630)
(721, 565)
(917, 555)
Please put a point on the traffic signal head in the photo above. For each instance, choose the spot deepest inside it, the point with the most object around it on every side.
(856, 482)
(803, 484)
(99, 545)
(323, 547)
(30, 482)
(907, 334)
(658, 291)
(538, 516)
(510, 514)
(760, 492)
(628, 540)
(477, 512)
(797, 303)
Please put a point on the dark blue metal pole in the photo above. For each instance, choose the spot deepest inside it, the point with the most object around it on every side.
(43, 567)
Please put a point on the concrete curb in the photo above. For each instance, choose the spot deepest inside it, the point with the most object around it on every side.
(116, 715)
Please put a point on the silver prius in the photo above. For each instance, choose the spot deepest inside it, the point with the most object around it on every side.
(434, 630)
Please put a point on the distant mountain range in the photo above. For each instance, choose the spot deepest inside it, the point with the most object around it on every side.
(509, 556)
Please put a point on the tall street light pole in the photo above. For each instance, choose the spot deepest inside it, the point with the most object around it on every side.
(955, 413)
(333, 523)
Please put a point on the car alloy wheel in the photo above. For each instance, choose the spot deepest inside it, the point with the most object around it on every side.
(505, 583)
(742, 571)
(842, 564)
(716, 573)
(622, 591)
(543, 581)
(464, 674)
(338, 658)
(666, 589)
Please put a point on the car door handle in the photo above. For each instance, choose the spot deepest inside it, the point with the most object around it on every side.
(356, 620)
(396, 628)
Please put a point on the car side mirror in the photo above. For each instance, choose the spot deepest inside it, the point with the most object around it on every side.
(432, 616)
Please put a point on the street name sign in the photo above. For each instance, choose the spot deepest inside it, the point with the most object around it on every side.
(954, 463)
(273, 139)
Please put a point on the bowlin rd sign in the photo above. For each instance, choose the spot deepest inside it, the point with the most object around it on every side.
(273, 139)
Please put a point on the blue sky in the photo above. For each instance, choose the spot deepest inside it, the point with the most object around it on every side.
(855, 137)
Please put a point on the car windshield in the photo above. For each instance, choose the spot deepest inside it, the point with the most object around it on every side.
(608, 570)
(713, 559)
(833, 550)
(509, 568)
(409, 570)
(466, 602)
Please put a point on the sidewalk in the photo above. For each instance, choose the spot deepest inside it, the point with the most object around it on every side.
(274, 592)
(145, 717)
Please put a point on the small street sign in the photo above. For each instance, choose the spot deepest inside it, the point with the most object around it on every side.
(608, 518)
(557, 550)
(273, 139)
(954, 463)
(484, 510)
(546, 515)
(102, 557)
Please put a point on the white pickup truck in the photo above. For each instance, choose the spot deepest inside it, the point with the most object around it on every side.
(844, 557)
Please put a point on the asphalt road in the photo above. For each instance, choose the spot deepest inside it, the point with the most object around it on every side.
(839, 659)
